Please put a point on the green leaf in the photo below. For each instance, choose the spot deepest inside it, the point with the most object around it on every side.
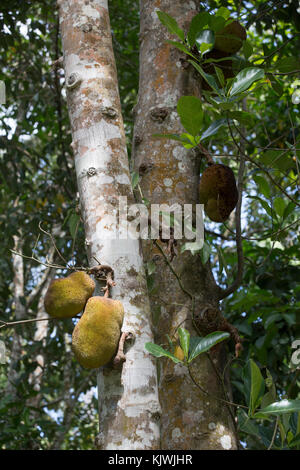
(246, 424)
(245, 79)
(208, 78)
(73, 224)
(181, 47)
(158, 351)
(295, 441)
(257, 386)
(277, 85)
(151, 267)
(135, 179)
(220, 75)
(184, 338)
(281, 407)
(242, 116)
(202, 345)
(279, 206)
(247, 49)
(171, 24)
(217, 23)
(289, 209)
(287, 64)
(265, 205)
(190, 112)
(213, 128)
(205, 253)
(263, 185)
(224, 12)
(197, 25)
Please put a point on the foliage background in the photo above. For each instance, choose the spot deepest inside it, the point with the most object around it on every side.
(38, 185)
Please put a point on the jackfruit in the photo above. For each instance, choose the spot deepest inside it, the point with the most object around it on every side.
(66, 297)
(178, 352)
(96, 336)
(230, 38)
(218, 192)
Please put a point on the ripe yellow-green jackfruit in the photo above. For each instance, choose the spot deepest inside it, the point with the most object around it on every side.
(230, 38)
(66, 297)
(218, 192)
(178, 352)
(96, 336)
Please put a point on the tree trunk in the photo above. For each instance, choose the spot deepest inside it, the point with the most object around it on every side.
(128, 400)
(169, 174)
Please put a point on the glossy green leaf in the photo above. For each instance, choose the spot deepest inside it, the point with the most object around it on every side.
(190, 112)
(213, 128)
(281, 407)
(196, 26)
(206, 343)
(181, 47)
(158, 351)
(171, 24)
(220, 75)
(207, 77)
(257, 386)
(245, 79)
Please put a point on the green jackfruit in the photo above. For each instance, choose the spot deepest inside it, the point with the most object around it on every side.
(218, 192)
(230, 38)
(96, 336)
(66, 297)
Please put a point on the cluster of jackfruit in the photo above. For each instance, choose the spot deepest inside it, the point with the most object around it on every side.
(228, 41)
(96, 336)
(218, 192)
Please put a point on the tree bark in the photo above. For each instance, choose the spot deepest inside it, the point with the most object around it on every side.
(128, 400)
(169, 174)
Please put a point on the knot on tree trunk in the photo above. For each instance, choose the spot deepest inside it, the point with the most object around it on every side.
(209, 318)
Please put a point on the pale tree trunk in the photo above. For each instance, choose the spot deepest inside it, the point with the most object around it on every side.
(128, 400)
(170, 174)
(18, 294)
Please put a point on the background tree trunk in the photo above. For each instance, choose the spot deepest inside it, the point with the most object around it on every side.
(170, 174)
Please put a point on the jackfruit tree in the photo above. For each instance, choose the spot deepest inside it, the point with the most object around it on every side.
(213, 121)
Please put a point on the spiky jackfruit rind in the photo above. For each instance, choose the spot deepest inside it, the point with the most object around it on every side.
(96, 336)
(230, 39)
(218, 192)
(66, 297)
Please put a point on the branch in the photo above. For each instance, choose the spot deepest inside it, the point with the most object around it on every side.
(12, 323)
(238, 233)
(259, 165)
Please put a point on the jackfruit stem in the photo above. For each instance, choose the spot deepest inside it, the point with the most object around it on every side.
(120, 356)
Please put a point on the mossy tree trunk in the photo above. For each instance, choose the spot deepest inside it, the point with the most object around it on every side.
(170, 174)
(128, 400)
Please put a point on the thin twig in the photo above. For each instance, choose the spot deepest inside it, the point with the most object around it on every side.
(274, 433)
(12, 323)
(213, 396)
(238, 232)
